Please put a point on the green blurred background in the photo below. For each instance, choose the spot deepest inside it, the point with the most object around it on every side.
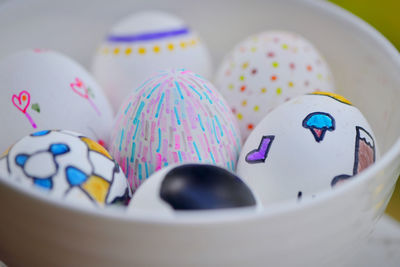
(384, 15)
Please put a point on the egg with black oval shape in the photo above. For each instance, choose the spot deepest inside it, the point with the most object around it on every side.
(192, 187)
(312, 143)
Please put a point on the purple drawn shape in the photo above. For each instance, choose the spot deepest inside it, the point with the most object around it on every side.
(260, 154)
(146, 36)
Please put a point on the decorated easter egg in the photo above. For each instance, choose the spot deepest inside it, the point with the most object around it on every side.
(41, 89)
(143, 43)
(66, 165)
(192, 187)
(267, 69)
(175, 116)
(312, 143)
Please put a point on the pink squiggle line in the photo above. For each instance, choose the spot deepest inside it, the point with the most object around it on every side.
(30, 120)
(80, 84)
(94, 106)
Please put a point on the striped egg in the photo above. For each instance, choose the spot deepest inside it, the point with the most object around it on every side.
(175, 116)
(143, 43)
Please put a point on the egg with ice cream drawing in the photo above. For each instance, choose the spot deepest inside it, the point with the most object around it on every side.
(312, 143)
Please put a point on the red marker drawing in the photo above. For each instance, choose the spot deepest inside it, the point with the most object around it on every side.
(22, 102)
(79, 87)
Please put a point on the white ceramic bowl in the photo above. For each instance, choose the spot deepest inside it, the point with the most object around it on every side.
(323, 232)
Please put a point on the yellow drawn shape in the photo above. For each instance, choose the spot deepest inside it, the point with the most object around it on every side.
(97, 188)
(93, 145)
(334, 96)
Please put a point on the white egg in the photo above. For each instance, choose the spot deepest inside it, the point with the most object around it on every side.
(267, 69)
(176, 116)
(192, 187)
(142, 44)
(306, 145)
(41, 89)
(66, 165)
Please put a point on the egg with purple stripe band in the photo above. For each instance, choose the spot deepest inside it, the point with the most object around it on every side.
(175, 116)
(143, 43)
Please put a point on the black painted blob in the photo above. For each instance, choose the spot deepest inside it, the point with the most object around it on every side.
(200, 187)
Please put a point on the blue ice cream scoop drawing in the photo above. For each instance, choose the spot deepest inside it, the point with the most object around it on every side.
(318, 123)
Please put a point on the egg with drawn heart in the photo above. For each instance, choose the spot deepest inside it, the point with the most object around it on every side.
(42, 89)
(312, 143)
(267, 69)
(143, 43)
(66, 165)
(174, 117)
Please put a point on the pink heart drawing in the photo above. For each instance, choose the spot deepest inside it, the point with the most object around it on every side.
(22, 100)
(79, 88)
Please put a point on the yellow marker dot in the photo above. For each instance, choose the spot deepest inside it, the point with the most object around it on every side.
(275, 64)
(170, 46)
(245, 65)
(105, 50)
(290, 84)
(116, 50)
(256, 108)
(232, 65)
(230, 86)
(285, 46)
(142, 50)
(253, 49)
(319, 76)
(241, 78)
(193, 42)
(263, 90)
(128, 51)
(183, 44)
(239, 116)
(244, 103)
(156, 49)
(278, 91)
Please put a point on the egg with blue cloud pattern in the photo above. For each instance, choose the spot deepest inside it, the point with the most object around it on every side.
(66, 165)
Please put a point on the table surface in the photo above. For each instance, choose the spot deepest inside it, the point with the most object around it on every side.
(383, 247)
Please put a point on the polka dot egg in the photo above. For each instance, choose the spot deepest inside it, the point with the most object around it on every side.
(175, 116)
(268, 69)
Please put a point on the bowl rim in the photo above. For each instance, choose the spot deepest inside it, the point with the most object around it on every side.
(240, 214)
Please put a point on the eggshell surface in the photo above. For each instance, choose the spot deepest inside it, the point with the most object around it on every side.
(66, 165)
(42, 89)
(175, 116)
(142, 44)
(191, 187)
(267, 69)
(312, 143)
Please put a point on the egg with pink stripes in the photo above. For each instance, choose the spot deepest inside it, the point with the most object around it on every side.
(174, 117)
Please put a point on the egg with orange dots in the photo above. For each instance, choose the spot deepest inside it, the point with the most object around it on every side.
(268, 69)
